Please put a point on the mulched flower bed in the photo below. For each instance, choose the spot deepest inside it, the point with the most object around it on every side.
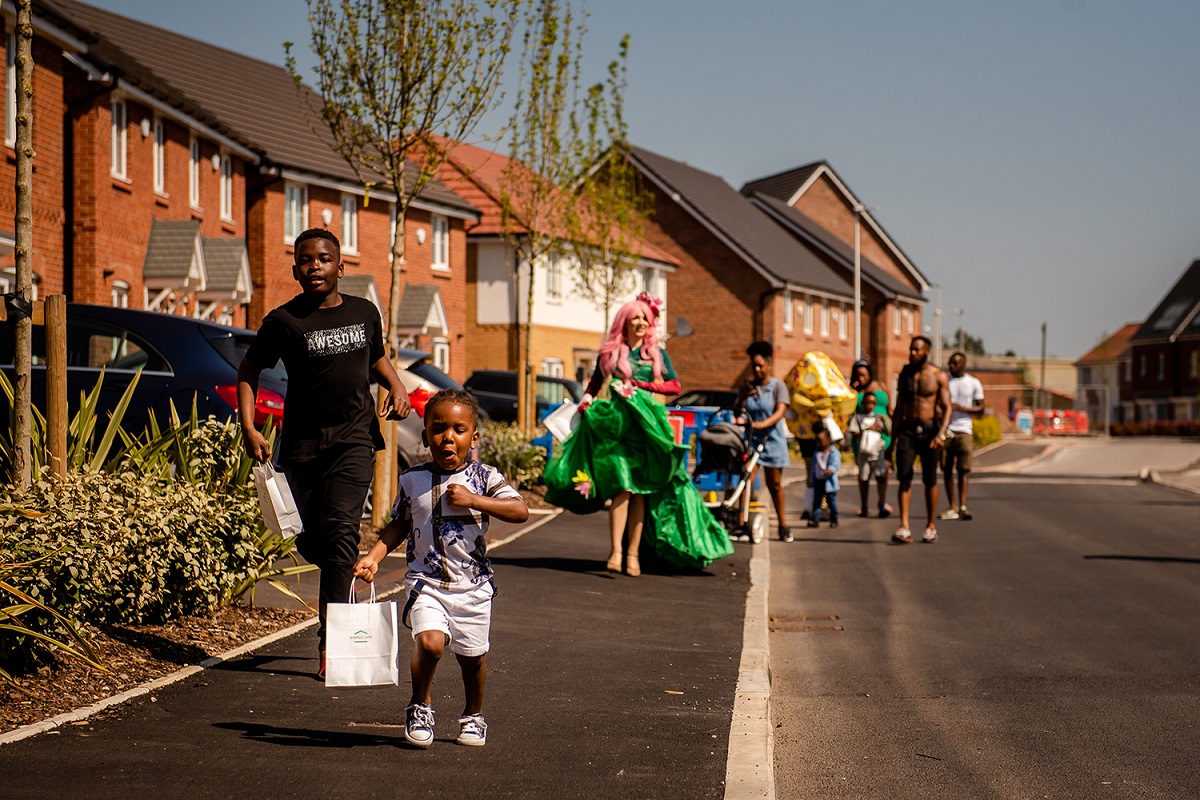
(134, 654)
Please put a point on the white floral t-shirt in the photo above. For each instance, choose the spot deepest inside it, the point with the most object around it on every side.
(446, 545)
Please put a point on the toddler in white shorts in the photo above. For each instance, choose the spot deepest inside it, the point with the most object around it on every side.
(442, 508)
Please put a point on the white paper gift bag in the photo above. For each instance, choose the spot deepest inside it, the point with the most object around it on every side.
(275, 499)
(871, 444)
(562, 420)
(361, 643)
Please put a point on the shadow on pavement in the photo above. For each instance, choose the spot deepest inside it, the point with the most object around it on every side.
(260, 663)
(838, 541)
(159, 647)
(1158, 559)
(307, 737)
(558, 563)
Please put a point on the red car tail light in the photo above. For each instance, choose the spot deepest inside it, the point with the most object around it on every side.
(268, 406)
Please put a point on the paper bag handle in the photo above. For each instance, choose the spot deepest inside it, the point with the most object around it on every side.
(354, 594)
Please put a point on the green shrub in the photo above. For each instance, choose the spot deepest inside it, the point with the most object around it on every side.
(504, 447)
(985, 430)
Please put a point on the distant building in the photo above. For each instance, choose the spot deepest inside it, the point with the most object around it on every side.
(1098, 377)
(1163, 379)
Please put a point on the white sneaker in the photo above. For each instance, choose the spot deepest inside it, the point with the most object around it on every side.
(930, 535)
(949, 513)
(472, 731)
(903, 536)
(418, 725)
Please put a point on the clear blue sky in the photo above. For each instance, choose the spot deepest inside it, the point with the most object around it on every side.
(1037, 158)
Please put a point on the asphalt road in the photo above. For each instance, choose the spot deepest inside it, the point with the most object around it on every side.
(599, 687)
(1048, 648)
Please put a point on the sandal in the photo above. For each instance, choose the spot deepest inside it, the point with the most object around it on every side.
(633, 567)
(614, 564)
(862, 512)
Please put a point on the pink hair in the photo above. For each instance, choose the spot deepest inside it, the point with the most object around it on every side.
(614, 351)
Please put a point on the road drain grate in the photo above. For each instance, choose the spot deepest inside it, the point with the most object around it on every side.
(801, 623)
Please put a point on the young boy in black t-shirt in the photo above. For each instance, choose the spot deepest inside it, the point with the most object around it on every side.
(331, 345)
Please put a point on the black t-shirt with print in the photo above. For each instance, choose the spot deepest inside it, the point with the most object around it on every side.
(328, 353)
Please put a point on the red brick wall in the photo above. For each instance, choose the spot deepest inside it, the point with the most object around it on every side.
(49, 214)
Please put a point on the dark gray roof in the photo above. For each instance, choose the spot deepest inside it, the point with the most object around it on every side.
(414, 306)
(358, 286)
(254, 102)
(756, 238)
(171, 249)
(1177, 312)
(805, 227)
(223, 261)
(783, 185)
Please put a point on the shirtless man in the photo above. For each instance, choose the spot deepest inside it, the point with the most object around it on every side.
(920, 420)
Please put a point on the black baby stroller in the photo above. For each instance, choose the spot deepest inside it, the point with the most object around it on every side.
(726, 458)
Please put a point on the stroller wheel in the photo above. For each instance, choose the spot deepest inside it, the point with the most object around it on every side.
(758, 526)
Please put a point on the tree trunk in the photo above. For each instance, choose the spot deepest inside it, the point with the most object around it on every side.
(22, 461)
(528, 410)
(386, 467)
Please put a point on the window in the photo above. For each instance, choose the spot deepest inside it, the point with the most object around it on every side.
(912, 320)
(1129, 370)
(349, 223)
(440, 251)
(808, 314)
(119, 139)
(653, 283)
(194, 172)
(554, 284)
(1194, 368)
(843, 322)
(824, 317)
(1085, 374)
(120, 294)
(160, 147)
(391, 229)
(552, 368)
(787, 311)
(896, 320)
(1162, 367)
(295, 210)
(441, 354)
(1142, 365)
(226, 187)
(10, 90)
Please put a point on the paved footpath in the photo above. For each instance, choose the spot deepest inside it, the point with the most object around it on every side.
(599, 687)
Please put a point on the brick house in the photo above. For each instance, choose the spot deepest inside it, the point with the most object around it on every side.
(1099, 374)
(188, 169)
(567, 328)
(814, 204)
(1163, 381)
(744, 275)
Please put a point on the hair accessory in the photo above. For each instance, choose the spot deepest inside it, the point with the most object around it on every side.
(655, 303)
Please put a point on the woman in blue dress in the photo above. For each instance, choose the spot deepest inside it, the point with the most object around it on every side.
(764, 398)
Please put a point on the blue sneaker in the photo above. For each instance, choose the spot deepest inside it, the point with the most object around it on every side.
(472, 731)
(418, 725)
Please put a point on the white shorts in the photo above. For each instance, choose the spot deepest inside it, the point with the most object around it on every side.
(872, 469)
(464, 616)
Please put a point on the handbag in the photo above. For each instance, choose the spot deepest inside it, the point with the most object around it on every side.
(870, 445)
(562, 421)
(361, 642)
(275, 499)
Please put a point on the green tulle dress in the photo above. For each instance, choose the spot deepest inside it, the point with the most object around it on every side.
(624, 442)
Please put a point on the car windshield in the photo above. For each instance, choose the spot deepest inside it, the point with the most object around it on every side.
(233, 347)
(557, 392)
(429, 372)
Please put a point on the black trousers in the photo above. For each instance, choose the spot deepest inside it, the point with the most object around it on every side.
(330, 490)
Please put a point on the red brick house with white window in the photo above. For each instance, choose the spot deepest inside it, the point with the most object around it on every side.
(1163, 382)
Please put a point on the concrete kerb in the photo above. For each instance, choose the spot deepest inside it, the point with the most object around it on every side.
(79, 714)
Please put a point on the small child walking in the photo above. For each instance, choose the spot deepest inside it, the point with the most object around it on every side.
(826, 462)
(442, 508)
(873, 435)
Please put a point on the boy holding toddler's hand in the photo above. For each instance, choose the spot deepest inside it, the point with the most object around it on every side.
(442, 508)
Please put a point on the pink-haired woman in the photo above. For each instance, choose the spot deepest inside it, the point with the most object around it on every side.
(624, 453)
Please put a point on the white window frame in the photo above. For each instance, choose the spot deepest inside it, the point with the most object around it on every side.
(194, 171)
(160, 156)
(118, 162)
(788, 321)
(349, 224)
(824, 318)
(10, 90)
(120, 294)
(843, 322)
(226, 187)
(295, 210)
(808, 314)
(552, 367)
(391, 230)
(440, 354)
(896, 320)
(912, 320)
(554, 278)
(439, 242)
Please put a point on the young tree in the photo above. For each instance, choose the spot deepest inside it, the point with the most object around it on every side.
(401, 83)
(22, 457)
(610, 217)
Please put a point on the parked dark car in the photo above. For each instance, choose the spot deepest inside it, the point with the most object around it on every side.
(705, 398)
(180, 358)
(496, 391)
